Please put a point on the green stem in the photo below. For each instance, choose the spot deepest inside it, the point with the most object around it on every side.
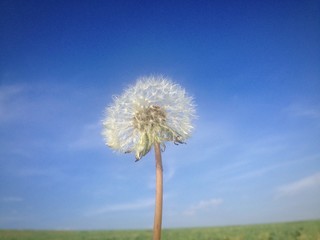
(159, 194)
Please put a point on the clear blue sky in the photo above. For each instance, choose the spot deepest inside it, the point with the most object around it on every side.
(251, 66)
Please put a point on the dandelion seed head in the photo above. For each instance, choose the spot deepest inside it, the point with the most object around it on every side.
(153, 110)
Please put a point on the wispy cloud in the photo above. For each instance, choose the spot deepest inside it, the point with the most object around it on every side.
(7, 92)
(299, 110)
(11, 199)
(8, 99)
(169, 173)
(32, 172)
(259, 171)
(299, 186)
(89, 137)
(203, 205)
(129, 206)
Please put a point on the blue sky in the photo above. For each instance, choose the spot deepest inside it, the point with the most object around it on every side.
(251, 66)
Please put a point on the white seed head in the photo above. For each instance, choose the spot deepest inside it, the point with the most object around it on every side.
(153, 110)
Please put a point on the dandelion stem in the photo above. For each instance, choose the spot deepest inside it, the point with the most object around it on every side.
(159, 193)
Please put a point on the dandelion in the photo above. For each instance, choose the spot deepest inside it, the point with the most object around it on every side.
(150, 113)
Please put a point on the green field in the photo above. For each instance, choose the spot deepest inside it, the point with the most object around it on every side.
(306, 230)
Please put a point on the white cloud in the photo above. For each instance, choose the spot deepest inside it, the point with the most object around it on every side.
(89, 137)
(8, 97)
(129, 206)
(299, 186)
(169, 172)
(259, 171)
(32, 172)
(7, 92)
(11, 199)
(203, 205)
(299, 110)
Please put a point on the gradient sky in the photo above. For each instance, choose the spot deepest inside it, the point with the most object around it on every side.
(251, 66)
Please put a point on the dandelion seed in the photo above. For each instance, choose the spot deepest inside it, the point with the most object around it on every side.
(155, 110)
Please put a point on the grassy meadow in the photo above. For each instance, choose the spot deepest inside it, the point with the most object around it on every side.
(306, 230)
